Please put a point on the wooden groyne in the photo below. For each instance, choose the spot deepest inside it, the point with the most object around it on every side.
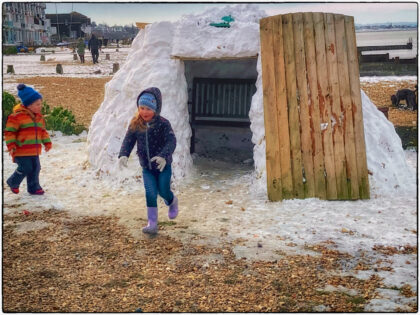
(407, 46)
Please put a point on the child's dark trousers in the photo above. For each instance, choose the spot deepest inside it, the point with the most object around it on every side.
(29, 167)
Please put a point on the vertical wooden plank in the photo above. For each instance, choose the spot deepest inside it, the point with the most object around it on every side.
(317, 149)
(333, 101)
(294, 123)
(282, 110)
(270, 111)
(326, 130)
(303, 104)
(356, 102)
(345, 99)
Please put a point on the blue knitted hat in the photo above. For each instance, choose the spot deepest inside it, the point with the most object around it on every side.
(148, 100)
(27, 94)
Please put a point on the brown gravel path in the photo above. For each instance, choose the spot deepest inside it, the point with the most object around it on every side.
(92, 264)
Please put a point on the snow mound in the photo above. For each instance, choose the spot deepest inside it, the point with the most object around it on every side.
(150, 62)
(385, 155)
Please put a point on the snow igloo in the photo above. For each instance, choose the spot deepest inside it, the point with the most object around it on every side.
(188, 58)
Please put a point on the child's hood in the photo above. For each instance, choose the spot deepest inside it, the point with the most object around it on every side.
(19, 108)
(158, 95)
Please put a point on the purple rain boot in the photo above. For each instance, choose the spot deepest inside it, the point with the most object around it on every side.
(173, 209)
(152, 221)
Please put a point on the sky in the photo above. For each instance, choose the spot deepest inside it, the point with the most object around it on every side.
(119, 13)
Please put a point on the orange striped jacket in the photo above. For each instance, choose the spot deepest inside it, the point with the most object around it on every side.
(25, 132)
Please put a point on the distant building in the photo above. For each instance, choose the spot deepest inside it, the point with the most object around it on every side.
(25, 23)
(69, 25)
(116, 32)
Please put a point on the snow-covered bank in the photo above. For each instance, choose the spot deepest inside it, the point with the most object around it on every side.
(30, 64)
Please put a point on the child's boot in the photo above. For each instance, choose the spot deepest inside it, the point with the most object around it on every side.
(173, 209)
(14, 190)
(152, 221)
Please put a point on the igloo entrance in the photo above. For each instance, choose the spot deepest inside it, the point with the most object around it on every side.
(219, 99)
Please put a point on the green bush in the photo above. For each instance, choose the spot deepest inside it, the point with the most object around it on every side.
(10, 50)
(8, 101)
(60, 119)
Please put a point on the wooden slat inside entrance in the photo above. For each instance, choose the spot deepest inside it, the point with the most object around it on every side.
(312, 107)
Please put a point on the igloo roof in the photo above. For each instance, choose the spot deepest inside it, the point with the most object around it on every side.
(195, 38)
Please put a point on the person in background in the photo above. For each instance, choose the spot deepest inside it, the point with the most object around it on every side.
(156, 143)
(81, 50)
(94, 46)
(24, 134)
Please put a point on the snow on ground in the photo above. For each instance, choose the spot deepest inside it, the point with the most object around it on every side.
(376, 79)
(289, 226)
(30, 64)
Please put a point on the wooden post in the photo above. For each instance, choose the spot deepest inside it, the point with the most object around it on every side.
(282, 111)
(115, 67)
(323, 92)
(333, 101)
(107, 57)
(303, 103)
(274, 184)
(59, 69)
(356, 103)
(318, 154)
(346, 105)
(42, 57)
(294, 125)
(10, 69)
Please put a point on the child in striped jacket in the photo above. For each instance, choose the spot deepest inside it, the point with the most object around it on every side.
(25, 132)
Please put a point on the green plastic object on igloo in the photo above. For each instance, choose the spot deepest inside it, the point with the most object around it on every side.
(226, 20)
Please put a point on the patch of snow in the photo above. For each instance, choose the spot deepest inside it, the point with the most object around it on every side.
(376, 79)
(23, 227)
(340, 288)
(29, 65)
(385, 305)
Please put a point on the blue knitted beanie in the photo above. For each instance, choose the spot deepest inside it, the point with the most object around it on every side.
(148, 100)
(27, 94)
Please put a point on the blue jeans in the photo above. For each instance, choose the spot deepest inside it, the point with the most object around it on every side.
(156, 182)
(29, 167)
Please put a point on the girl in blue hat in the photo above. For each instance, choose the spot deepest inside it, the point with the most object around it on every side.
(156, 143)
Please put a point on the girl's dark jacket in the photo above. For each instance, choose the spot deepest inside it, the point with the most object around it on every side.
(157, 140)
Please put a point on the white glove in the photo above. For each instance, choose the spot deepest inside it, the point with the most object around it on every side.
(122, 162)
(161, 162)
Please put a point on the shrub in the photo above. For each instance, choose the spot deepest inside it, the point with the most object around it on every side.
(10, 50)
(60, 119)
(8, 101)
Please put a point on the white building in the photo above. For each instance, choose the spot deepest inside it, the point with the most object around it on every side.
(25, 23)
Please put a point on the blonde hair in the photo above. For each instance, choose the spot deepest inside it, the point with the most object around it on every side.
(137, 123)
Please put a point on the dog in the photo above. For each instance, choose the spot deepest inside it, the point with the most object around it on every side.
(405, 94)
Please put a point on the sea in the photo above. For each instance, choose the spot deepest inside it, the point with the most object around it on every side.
(394, 37)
